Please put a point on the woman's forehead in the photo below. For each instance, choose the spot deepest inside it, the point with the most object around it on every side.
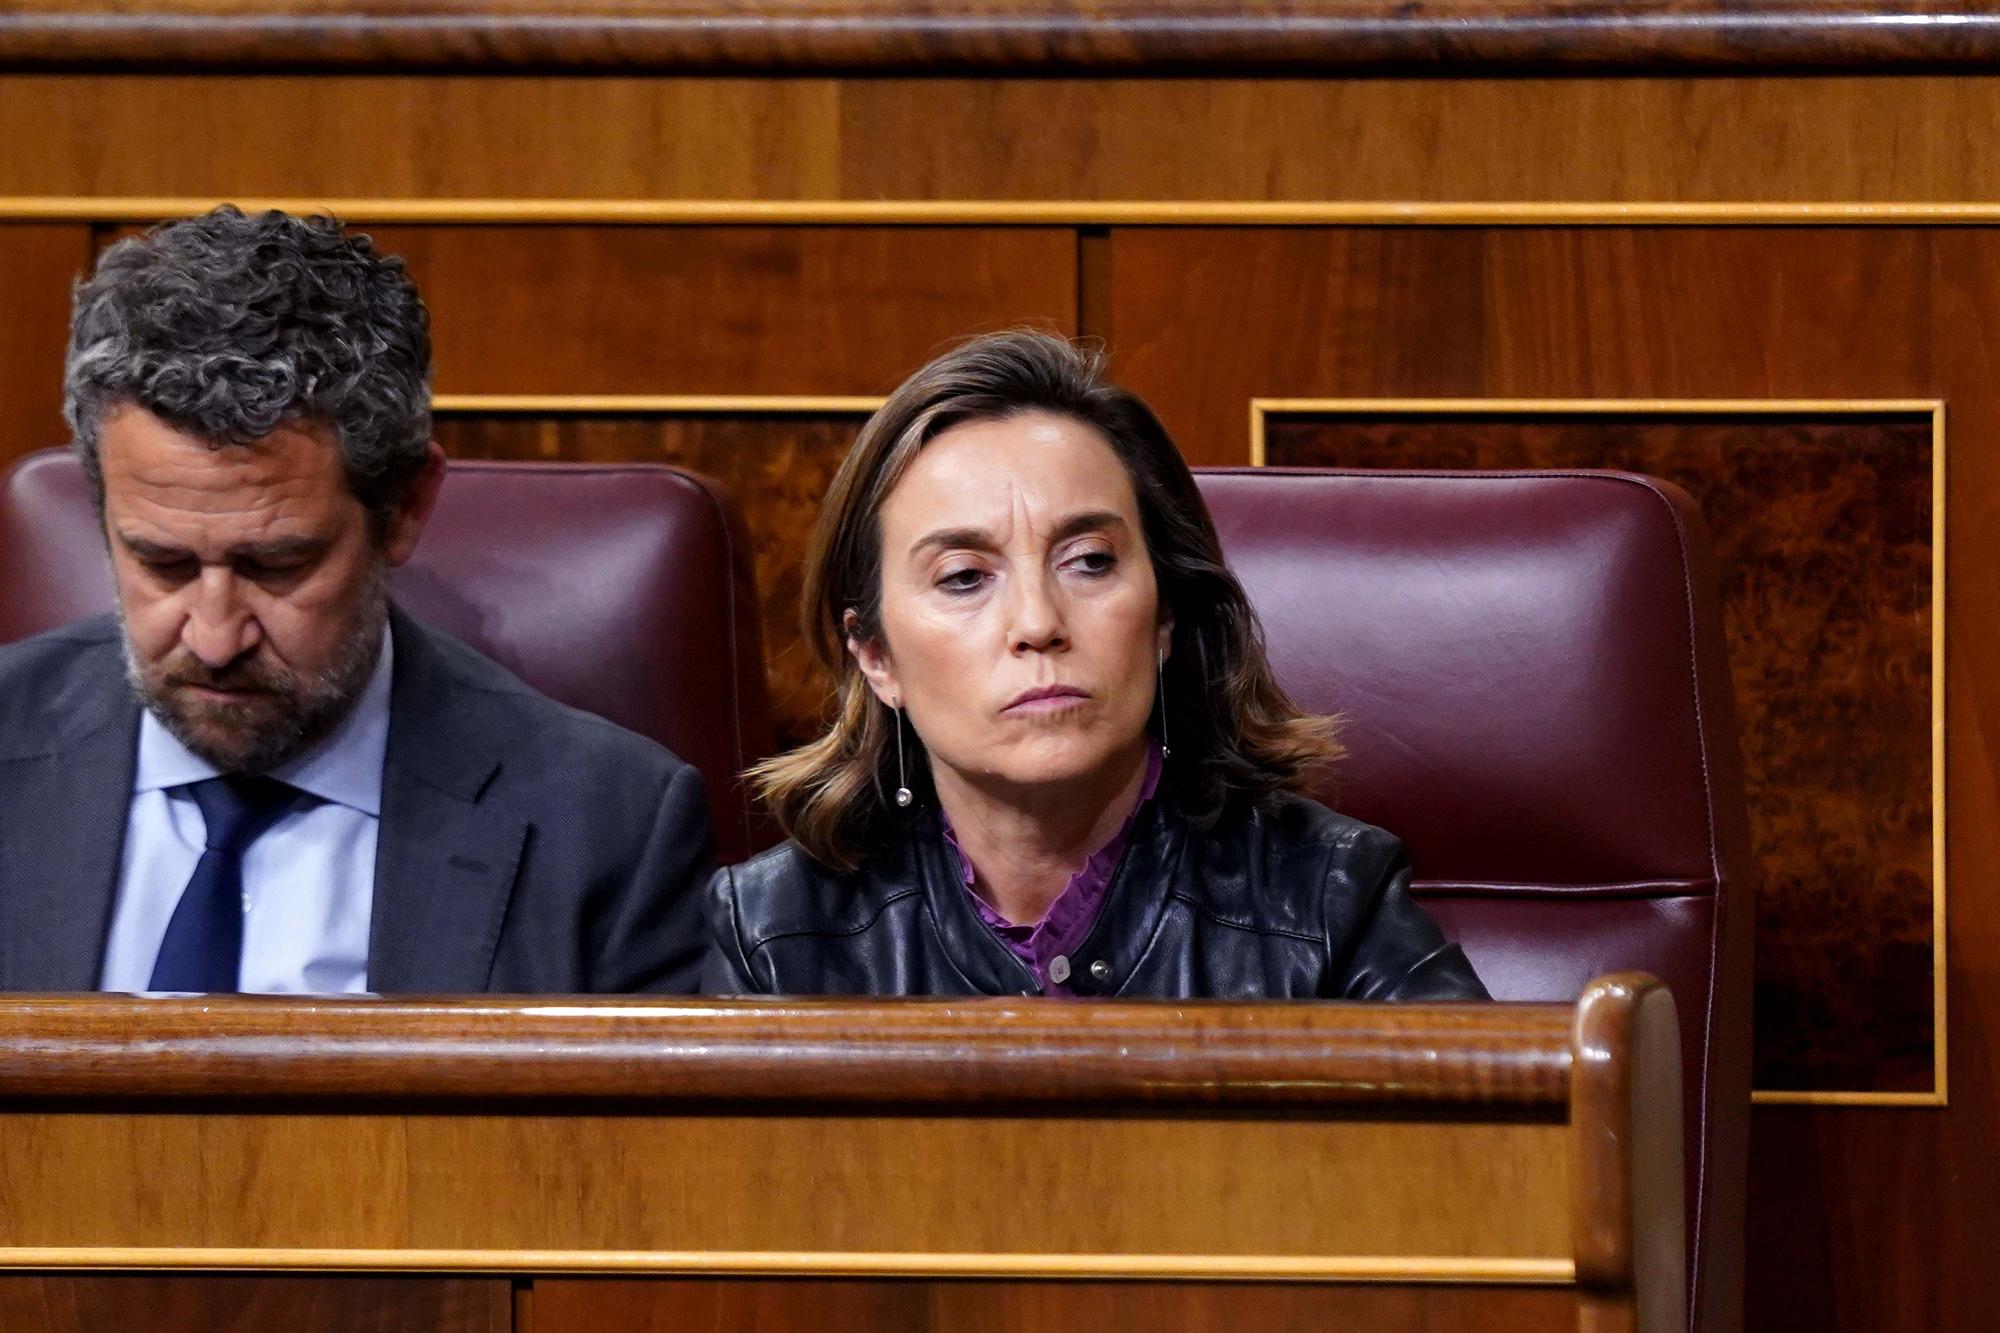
(1034, 469)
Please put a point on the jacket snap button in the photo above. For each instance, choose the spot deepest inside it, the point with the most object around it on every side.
(1100, 970)
(1059, 969)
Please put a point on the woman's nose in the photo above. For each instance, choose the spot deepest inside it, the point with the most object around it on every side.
(1038, 619)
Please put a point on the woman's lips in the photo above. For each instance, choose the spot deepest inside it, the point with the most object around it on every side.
(1047, 699)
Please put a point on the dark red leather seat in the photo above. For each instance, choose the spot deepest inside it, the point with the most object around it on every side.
(625, 590)
(1531, 670)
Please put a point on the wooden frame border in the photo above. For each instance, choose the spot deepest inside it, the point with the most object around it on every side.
(1261, 408)
(758, 1263)
(114, 209)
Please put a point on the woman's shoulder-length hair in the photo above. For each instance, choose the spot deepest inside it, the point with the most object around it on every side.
(1235, 735)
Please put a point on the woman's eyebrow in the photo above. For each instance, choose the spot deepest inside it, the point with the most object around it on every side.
(979, 539)
(1091, 520)
(945, 539)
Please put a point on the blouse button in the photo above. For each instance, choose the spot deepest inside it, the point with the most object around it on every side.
(1059, 968)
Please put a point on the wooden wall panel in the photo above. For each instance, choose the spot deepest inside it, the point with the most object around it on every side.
(1640, 139)
(1860, 1219)
(418, 137)
(721, 310)
(1822, 530)
(803, 1306)
(202, 1304)
(37, 265)
(776, 467)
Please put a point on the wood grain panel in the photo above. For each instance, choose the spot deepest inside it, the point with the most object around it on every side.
(721, 310)
(1859, 1220)
(419, 137)
(37, 265)
(878, 1185)
(1587, 139)
(64, 1304)
(1822, 531)
(798, 1306)
(776, 467)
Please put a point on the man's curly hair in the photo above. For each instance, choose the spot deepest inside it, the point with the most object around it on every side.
(227, 326)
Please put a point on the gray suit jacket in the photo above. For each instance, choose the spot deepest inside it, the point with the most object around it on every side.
(524, 847)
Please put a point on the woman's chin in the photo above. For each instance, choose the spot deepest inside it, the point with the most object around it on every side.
(1052, 765)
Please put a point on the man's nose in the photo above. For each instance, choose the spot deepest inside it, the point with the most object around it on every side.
(220, 626)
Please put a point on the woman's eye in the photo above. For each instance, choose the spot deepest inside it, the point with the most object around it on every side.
(960, 580)
(1093, 562)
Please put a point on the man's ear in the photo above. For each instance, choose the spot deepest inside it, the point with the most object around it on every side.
(872, 656)
(406, 522)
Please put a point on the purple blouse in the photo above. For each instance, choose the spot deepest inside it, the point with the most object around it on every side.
(1046, 945)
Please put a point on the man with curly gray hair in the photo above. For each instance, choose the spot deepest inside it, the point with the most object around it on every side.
(311, 791)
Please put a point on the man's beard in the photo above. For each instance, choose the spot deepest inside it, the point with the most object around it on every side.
(285, 715)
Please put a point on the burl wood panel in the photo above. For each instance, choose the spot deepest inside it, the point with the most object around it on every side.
(806, 1306)
(37, 265)
(1823, 535)
(776, 467)
(721, 310)
(215, 1304)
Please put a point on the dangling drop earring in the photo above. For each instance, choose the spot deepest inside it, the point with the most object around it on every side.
(1166, 750)
(902, 779)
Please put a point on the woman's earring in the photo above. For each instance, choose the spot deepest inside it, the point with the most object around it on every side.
(1166, 750)
(902, 780)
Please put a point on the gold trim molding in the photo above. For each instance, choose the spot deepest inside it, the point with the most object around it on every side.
(1211, 1267)
(654, 404)
(1262, 408)
(110, 209)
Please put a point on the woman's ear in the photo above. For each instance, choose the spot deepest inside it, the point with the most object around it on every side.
(873, 659)
(1166, 636)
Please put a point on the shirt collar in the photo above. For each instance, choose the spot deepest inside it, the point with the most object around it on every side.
(344, 768)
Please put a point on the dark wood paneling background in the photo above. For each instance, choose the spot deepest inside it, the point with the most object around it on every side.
(37, 265)
(722, 310)
(1862, 1219)
(201, 1304)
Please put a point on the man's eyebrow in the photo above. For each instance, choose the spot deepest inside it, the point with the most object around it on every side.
(147, 549)
(279, 548)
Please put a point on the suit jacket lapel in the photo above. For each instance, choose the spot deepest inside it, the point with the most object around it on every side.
(445, 857)
(64, 799)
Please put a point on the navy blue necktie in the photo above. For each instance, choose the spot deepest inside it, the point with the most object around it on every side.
(203, 946)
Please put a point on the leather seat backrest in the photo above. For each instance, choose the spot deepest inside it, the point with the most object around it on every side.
(622, 589)
(1531, 674)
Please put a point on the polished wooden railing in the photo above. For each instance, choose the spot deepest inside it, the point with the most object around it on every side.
(1211, 37)
(1533, 1145)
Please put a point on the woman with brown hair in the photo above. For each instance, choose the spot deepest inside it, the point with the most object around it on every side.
(1058, 762)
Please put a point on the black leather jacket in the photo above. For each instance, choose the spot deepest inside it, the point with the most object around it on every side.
(1289, 901)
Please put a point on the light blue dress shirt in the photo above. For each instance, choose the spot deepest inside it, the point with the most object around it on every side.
(308, 883)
